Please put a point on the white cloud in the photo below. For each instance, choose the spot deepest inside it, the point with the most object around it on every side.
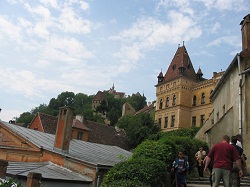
(38, 10)
(41, 29)
(72, 23)
(148, 33)
(24, 22)
(84, 5)
(9, 29)
(222, 5)
(29, 84)
(215, 27)
(7, 115)
(230, 40)
(66, 49)
(52, 3)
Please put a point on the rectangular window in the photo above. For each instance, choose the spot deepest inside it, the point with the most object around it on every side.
(79, 135)
(166, 122)
(194, 121)
(172, 120)
(159, 122)
(202, 119)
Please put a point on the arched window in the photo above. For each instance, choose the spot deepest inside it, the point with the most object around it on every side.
(160, 104)
(203, 98)
(194, 100)
(174, 100)
(167, 102)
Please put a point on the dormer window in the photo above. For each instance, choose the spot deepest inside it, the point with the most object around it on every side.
(174, 67)
(203, 98)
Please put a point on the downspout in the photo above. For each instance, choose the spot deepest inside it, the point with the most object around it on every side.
(98, 177)
(240, 95)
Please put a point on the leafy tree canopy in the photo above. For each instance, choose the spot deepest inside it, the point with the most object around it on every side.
(150, 172)
(138, 128)
(82, 104)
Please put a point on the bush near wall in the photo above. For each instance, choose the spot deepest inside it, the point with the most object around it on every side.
(151, 161)
(149, 172)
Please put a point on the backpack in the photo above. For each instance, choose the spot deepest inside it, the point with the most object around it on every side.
(186, 165)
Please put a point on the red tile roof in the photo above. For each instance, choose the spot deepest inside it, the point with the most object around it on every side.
(79, 125)
(105, 134)
(48, 122)
(180, 60)
(146, 109)
(100, 96)
(98, 133)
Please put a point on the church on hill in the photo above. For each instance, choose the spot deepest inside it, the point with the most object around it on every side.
(182, 94)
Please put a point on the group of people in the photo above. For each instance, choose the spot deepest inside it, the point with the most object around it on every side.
(225, 161)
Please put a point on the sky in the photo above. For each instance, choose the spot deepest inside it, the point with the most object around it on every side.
(51, 46)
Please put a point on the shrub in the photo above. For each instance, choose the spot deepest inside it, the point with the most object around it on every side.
(150, 172)
(156, 150)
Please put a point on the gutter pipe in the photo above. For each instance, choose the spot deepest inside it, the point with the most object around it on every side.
(240, 95)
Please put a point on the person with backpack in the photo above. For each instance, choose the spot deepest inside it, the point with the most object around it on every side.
(223, 155)
(235, 172)
(180, 166)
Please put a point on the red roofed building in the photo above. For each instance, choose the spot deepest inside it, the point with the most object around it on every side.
(183, 95)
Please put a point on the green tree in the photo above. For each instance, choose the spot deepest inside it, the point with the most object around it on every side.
(82, 103)
(113, 116)
(137, 101)
(25, 118)
(138, 128)
(150, 172)
(102, 108)
(66, 99)
(156, 150)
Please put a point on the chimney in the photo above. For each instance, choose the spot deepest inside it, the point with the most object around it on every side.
(79, 117)
(34, 179)
(63, 130)
(3, 168)
(245, 32)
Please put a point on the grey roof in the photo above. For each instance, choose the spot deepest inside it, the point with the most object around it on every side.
(47, 169)
(93, 153)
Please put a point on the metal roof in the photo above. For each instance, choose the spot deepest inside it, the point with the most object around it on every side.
(47, 169)
(93, 153)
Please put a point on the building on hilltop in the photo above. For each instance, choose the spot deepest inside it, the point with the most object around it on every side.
(182, 95)
(101, 96)
(115, 93)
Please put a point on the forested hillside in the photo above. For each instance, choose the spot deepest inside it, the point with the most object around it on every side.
(82, 105)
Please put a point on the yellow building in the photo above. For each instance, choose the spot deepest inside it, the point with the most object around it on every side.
(183, 95)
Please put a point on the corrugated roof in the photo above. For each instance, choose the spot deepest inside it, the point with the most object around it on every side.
(48, 170)
(92, 153)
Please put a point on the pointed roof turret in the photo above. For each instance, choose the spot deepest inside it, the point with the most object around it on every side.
(199, 74)
(160, 77)
(180, 61)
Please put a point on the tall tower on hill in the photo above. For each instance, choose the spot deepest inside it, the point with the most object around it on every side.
(183, 95)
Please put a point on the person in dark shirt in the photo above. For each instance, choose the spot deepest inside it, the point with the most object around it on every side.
(223, 155)
(180, 166)
(235, 172)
